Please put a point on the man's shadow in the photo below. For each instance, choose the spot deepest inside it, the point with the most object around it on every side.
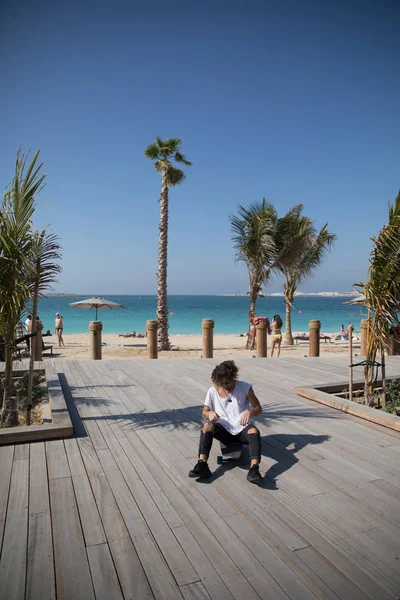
(281, 447)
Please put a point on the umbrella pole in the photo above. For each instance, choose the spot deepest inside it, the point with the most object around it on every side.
(96, 313)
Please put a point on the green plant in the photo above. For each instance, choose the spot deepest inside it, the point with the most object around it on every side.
(382, 295)
(393, 390)
(18, 207)
(22, 389)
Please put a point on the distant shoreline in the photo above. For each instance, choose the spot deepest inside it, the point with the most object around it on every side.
(303, 294)
(239, 294)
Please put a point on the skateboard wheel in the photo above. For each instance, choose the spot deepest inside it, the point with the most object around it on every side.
(219, 460)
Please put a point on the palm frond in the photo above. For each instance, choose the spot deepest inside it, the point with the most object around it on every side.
(253, 239)
(152, 151)
(162, 152)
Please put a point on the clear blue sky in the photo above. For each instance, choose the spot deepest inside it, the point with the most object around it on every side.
(294, 101)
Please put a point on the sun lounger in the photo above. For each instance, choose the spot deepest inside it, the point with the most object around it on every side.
(306, 338)
(47, 349)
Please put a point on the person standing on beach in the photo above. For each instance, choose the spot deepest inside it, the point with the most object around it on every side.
(58, 329)
(276, 327)
(228, 407)
(252, 342)
(252, 336)
(28, 329)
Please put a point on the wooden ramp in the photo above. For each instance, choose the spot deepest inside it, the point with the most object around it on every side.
(111, 513)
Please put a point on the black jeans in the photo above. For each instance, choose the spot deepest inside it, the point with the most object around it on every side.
(222, 435)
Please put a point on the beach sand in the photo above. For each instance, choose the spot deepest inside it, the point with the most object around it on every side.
(184, 346)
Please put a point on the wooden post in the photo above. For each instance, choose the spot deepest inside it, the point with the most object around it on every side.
(383, 368)
(207, 326)
(363, 337)
(314, 328)
(152, 348)
(36, 342)
(350, 330)
(261, 339)
(95, 328)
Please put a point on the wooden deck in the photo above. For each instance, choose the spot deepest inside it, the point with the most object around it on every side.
(111, 513)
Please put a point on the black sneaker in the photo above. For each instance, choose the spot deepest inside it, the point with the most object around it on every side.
(254, 475)
(201, 470)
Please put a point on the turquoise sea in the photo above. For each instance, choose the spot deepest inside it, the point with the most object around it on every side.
(229, 313)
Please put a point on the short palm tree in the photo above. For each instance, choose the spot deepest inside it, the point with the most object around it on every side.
(42, 271)
(18, 207)
(253, 236)
(382, 296)
(162, 152)
(300, 250)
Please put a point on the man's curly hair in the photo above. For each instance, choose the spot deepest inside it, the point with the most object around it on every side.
(225, 370)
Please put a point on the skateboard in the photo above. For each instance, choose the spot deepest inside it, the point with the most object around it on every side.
(230, 452)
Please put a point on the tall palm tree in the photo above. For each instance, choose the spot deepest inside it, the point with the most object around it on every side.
(300, 250)
(253, 236)
(18, 207)
(382, 296)
(162, 152)
(42, 271)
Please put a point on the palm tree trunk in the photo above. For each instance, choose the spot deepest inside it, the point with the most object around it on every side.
(33, 357)
(9, 416)
(162, 308)
(288, 339)
(252, 311)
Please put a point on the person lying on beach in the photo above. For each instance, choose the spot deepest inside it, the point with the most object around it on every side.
(227, 410)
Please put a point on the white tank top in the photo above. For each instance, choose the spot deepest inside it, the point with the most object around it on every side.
(229, 409)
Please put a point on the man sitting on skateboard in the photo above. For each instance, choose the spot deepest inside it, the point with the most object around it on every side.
(228, 407)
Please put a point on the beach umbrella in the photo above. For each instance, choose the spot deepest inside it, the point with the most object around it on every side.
(97, 303)
(357, 300)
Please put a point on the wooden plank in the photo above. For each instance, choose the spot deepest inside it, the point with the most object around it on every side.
(88, 512)
(90, 518)
(57, 462)
(319, 535)
(275, 535)
(81, 394)
(38, 483)
(388, 487)
(210, 577)
(340, 585)
(59, 408)
(105, 580)
(75, 462)
(6, 463)
(130, 571)
(40, 581)
(181, 568)
(34, 433)
(72, 569)
(258, 550)
(21, 452)
(160, 578)
(112, 520)
(194, 591)
(232, 576)
(132, 578)
(13, 555)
